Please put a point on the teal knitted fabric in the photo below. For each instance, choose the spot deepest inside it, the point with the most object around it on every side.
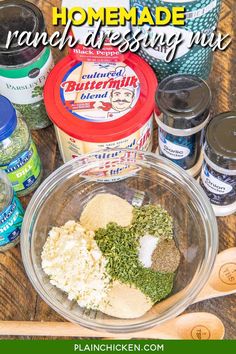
(202, 15)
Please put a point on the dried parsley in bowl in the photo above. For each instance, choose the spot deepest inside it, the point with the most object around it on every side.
(152, 220)
(120, 246)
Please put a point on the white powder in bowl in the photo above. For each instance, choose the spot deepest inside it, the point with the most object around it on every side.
(148, 245)
(75, 264)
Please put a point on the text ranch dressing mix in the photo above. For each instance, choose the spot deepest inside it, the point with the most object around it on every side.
(201, 16)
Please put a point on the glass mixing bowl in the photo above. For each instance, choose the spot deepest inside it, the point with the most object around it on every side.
(140, 178)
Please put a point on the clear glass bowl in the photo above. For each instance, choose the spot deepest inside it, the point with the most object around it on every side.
(140, 178)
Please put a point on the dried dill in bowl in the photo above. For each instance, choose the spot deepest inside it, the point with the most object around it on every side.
(121, 246)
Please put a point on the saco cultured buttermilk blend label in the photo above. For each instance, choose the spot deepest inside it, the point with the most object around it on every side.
(98, 92)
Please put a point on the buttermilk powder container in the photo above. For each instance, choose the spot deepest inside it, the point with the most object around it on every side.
(182, 112)
(218, 177)
(96, 106)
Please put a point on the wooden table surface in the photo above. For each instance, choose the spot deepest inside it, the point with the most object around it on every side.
(18, 299)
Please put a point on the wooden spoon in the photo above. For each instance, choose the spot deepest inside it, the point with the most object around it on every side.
(222, 281)
(197, 326)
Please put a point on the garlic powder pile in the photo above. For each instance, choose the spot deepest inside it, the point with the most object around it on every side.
(75, 264)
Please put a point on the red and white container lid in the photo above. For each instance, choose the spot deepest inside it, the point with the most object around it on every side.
(100, 102)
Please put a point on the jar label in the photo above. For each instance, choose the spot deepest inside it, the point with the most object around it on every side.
(213, 184)
(171, 150)
(100, 92)
(24, 170)
(10, 222)
(192, 12)
(24, 85)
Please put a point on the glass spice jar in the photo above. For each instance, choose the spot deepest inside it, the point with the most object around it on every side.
(182, 113)
(11, 215)
(18, 154)
(23, 69)
(218, 177)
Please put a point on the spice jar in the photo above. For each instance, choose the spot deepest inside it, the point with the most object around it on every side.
(11, 215)
(23, 69)
(218, 177)
(18, 154)
(182, 112)
(200, 16)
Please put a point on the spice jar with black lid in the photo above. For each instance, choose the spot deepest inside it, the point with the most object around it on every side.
(182, 113)
(218, 177)
(24, 69)
(18, 154)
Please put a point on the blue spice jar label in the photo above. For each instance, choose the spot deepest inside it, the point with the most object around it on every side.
(220, 188)
(182, 150)
(11, 220)
(24, 170)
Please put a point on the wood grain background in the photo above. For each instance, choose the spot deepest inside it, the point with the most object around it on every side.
(18, 300)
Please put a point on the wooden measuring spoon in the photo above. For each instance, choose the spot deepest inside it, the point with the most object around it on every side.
(196, 326)
(222, 281)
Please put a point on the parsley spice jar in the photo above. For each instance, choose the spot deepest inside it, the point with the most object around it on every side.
(184, 102)
(23, 69)
(11, 215)
(218, 177)
(18, 154)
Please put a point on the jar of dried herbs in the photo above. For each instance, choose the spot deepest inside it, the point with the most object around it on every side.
(24, 69)
(11, 215)
(18, 154)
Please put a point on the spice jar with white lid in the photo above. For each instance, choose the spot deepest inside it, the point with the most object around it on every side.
(182, 113)
(218, 177)
(24, 69)
(18, 154)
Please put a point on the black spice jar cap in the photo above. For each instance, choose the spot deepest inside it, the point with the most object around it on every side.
(184, 100)
(19, 16)
(220, 145)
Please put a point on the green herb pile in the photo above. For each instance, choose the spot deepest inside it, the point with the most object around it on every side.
(120, 246)
(34, 114)
(15, 144)
(153, 220)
